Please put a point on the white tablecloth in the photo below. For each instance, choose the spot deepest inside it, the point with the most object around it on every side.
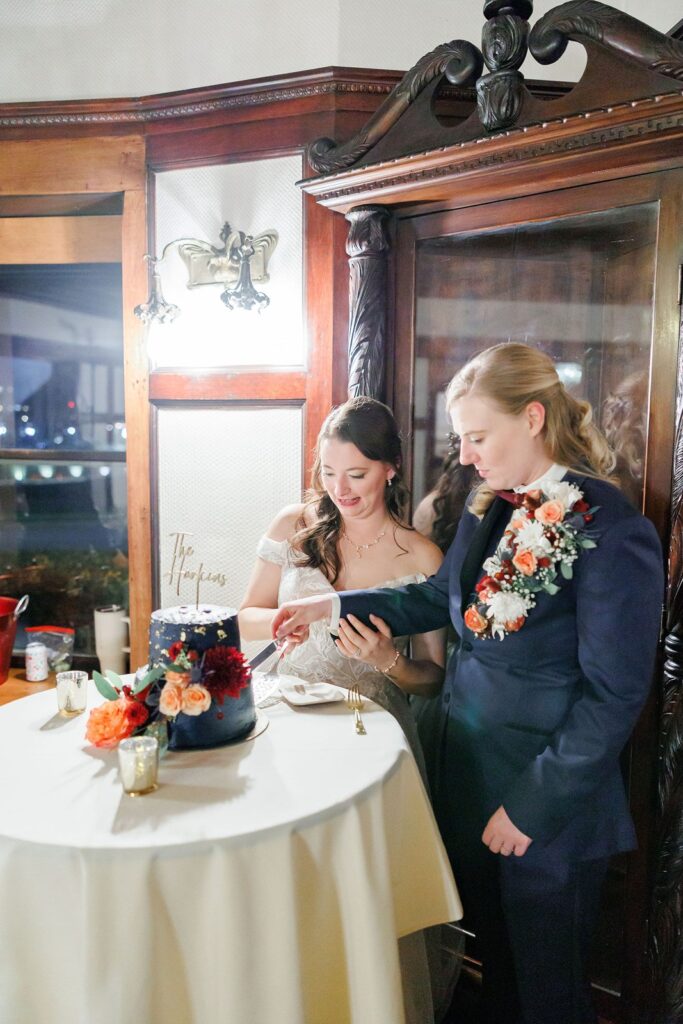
(263, 883)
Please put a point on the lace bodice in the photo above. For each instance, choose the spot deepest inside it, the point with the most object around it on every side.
(319, 660)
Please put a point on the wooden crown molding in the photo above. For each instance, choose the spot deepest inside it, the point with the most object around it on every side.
(430, 175)
(339, 82)
(193, 102)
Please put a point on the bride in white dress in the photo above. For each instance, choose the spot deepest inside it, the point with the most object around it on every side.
(350, 534)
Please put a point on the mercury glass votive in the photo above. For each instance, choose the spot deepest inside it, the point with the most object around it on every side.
(72, 693)
(139, 764)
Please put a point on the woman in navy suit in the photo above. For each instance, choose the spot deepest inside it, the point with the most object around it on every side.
(554, 584)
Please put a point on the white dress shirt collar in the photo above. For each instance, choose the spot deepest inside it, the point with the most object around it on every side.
(555, 473)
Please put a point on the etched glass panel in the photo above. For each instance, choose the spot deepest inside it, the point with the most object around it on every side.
(224, 473)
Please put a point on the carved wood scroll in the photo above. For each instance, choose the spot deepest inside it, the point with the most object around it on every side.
(627, 60)
(459, 62)
(582, 20)
(368, 250)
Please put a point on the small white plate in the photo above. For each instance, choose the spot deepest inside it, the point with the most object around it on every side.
(298, 691)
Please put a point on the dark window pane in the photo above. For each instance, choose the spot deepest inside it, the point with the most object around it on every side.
(63, 541)
(63, 512)
(61, 357)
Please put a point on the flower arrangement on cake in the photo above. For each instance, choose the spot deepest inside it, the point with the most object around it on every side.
(192, 683)
(187, 683)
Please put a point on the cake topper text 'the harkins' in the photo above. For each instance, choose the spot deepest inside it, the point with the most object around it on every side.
(182, 567)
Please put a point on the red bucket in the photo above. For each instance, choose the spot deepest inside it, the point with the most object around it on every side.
(8, 629)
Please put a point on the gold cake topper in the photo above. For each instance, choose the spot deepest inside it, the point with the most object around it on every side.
(183, 568)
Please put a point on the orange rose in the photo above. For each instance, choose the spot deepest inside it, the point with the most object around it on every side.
(196, 700)
(550, 512)
(109, 723)
(525, 561)
(177, 678)
(171, 699)
(517, 523)
(474, 620)
(514, 624)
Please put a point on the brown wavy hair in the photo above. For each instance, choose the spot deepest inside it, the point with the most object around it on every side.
(369, 425)
(453, 488)
(512, 376)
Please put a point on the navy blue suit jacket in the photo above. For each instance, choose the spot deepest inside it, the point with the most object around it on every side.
(540, 718)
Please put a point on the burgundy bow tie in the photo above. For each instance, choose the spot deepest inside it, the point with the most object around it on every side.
(512, 496)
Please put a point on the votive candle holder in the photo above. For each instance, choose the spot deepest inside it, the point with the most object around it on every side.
(72, 693)
(139, 765)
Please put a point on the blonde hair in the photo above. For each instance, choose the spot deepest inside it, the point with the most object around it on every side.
(512, 376)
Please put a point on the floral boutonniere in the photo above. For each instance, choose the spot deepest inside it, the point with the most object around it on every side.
(542, 541)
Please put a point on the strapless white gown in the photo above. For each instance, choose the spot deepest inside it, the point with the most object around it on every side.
(319, 660)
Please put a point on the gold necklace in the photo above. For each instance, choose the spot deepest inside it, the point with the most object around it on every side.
(360, 548)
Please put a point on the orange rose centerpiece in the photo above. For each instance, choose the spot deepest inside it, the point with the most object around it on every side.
(125, 711)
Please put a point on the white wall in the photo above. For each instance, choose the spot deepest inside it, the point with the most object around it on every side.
(85, 49)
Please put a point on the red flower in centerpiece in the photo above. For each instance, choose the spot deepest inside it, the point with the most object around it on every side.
(224, 672)
(136, 713)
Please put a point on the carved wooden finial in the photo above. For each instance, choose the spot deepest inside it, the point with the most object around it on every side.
(504, 46)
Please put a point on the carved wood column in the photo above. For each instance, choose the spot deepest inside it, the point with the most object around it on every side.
(368, 250)
(504, 46)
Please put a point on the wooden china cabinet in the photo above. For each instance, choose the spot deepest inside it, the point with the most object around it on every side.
(554, 217)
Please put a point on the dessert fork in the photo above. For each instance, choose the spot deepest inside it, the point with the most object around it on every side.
(355, 703)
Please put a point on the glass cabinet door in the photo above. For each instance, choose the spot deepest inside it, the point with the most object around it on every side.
(578, 287)
(587, 275)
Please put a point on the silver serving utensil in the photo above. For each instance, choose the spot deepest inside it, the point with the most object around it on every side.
(22, 605)
(266, 652)
(263, 654)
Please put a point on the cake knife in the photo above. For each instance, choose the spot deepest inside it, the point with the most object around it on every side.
(264, 654)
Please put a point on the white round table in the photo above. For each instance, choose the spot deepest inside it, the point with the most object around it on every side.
(262, 882)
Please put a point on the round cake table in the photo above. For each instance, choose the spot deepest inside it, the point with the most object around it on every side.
(262, 882)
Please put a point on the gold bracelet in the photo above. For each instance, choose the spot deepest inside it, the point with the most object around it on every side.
(387, 670)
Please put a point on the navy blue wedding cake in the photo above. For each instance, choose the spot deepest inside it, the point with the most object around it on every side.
(206, 692)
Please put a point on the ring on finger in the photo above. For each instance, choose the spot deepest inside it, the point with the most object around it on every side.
(357, 653)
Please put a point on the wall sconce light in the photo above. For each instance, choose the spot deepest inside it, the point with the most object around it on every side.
(242, 260)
